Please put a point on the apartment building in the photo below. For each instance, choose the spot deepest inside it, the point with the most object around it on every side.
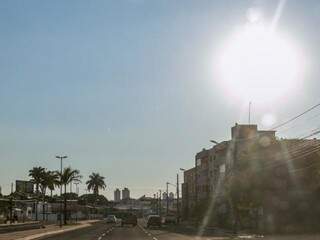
(188, 192)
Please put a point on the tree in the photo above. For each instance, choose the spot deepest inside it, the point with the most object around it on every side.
(48, 179)
(52, 181)
(68, 176)
(95, 183)
(36, 175)
(93, 200)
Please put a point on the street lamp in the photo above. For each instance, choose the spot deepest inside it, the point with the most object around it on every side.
(213, 141)
(61, 158)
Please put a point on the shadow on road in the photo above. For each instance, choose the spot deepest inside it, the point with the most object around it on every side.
(194, 231)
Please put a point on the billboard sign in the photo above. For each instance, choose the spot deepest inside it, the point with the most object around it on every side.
(24, 186)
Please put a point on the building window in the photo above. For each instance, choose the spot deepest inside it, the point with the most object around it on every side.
(222, 168)
(198, 162)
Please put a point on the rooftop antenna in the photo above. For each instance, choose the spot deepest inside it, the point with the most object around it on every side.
(249, 112)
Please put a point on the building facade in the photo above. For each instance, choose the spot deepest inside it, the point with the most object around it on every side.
(188, 192)
(117, 195)
(125, 194)
(212, 166)
(288, 169)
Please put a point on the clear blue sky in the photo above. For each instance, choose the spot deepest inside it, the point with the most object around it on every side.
(125, 88)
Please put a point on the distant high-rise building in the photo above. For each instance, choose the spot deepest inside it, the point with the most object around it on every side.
(171, 195)
(164, 195)
(125, 193)
(117, 195)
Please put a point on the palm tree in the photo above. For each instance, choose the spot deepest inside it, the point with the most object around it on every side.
(44, 183)
(95, 183)
(36, 175)
(68, 175)
(52, 181)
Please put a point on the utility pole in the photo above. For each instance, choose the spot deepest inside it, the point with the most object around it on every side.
(11, 203)
(160, 208)
(157, 200)
(61, 158)
(178, 212)
(154, 202)
(167, 198)
(43, 208)
(86, 196)
(183, 170)
(249, 112)
(11, 209)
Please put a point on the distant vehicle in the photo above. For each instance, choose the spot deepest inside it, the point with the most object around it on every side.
(118, 222)
(154, 221)
(170, 219)
(111, 219)
(129, 219)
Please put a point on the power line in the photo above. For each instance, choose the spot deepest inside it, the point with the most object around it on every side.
(294, 152)
(295, 125)
(294, 118)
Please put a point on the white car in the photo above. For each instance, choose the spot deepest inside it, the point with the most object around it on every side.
(118, 221)
(111, 219)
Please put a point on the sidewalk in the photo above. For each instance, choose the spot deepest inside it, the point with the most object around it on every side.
(48, 230)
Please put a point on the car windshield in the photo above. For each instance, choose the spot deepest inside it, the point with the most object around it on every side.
(159, 119)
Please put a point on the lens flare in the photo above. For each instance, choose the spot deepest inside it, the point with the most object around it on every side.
(259, 64)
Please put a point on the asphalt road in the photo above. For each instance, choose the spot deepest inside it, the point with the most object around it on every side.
(103, 231)
(88, 233)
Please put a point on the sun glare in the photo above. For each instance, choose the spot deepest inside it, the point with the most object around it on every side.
(260, 65)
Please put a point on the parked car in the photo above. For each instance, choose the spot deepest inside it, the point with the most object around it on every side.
(154, 221)
(111, 219)
(129, 219)
(170, 219)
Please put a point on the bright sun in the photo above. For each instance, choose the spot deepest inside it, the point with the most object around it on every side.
(259, 65)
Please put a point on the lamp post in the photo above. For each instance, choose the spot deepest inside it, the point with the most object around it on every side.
(61, 158)
(213, 141)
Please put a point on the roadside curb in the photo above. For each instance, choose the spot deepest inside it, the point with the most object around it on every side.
(147, 232)
(56, 232)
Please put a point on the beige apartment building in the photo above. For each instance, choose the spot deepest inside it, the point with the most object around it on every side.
(213, 165)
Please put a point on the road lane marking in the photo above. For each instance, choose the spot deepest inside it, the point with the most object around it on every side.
(147, 232)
